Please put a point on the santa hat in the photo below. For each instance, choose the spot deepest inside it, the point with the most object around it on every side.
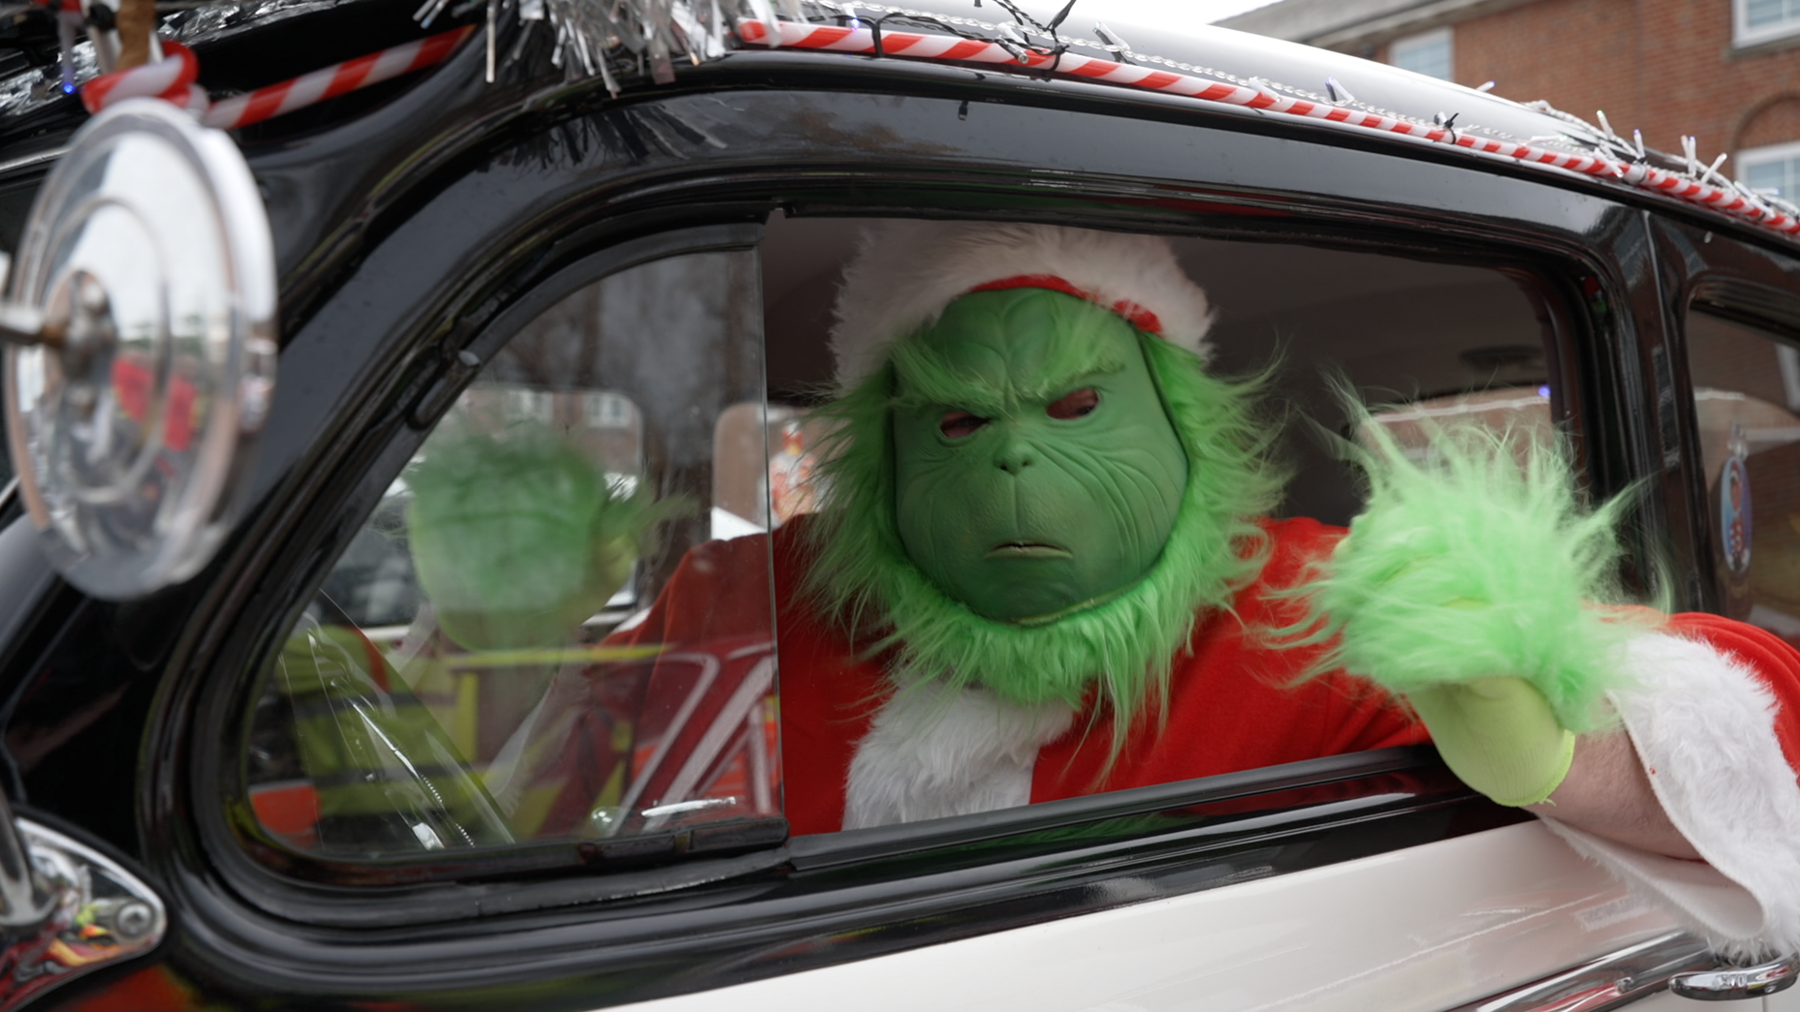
(906, 272)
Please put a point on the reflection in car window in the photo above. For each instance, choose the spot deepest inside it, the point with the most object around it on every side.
(474, 669)
(1523, 410)
(1747, 404)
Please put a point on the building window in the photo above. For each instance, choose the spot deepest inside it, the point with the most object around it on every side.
(607, 410)
(1428, 53)
(525, 404)
(1754, 21)
(1774, 167)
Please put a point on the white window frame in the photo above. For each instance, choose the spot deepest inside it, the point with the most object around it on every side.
(1749, 157)
(1743, 35)
(1426, 38)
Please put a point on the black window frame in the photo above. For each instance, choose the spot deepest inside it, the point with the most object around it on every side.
(1750, 281)
(636, 858)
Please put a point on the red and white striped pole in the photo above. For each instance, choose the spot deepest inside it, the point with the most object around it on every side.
(329, 82)
(170, 79)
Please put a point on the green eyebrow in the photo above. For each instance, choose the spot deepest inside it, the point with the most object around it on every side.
(925, 380)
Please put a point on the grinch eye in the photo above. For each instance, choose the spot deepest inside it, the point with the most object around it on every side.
(957, 424)
(1076, 405)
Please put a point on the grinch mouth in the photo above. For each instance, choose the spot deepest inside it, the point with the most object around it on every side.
(1027, 550)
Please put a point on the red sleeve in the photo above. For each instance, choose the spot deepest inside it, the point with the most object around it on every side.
(719, 591)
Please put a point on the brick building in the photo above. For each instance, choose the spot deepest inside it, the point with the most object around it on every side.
(1725, 71)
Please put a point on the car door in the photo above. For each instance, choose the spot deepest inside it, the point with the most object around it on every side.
(412, 744)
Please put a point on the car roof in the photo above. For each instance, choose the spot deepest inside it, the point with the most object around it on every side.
(1350, 100)
(1277, 78)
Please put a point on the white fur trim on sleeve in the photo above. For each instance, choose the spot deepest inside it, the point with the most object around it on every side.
(936, 751)
(906, 272)
(1703, 726)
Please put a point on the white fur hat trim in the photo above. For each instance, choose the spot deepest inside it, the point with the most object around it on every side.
(906, 272)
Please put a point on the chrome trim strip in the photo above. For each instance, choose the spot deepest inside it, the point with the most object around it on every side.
(1611, 981)
(8, 491)
(27, 161)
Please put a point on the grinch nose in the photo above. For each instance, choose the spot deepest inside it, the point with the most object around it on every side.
(1014, 456)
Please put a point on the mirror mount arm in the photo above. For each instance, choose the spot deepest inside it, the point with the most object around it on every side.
(26, 905)
(23, 326)
(79, 331)
(20, 325)
(27, 326)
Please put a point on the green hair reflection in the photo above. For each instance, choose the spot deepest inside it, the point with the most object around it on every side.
(1123, 647)
(517, 535)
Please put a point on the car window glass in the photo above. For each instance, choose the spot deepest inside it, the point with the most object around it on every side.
(476, 671)
(482, 666)
(1747, 404)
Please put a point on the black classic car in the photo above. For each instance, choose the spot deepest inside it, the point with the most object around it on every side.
(263, 752)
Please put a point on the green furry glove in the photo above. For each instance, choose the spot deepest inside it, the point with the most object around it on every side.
(1475, 584)
(1498, 735)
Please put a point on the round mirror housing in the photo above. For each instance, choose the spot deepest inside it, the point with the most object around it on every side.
(140, 316)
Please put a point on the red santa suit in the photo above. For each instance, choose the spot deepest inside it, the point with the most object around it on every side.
(1715, 719)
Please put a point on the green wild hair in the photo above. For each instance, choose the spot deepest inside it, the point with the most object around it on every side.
(1123, 647)
(1473, 559)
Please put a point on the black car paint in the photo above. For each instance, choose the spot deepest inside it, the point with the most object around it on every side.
(423, 219)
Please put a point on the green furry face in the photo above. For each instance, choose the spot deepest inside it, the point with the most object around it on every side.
(1035, 468)
(862, 579)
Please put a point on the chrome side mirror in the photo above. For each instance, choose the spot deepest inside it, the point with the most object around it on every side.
(1731, 983)
(140, 319)
(65, 909)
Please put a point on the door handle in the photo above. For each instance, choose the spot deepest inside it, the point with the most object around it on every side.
(1730, 983)
(65, 909)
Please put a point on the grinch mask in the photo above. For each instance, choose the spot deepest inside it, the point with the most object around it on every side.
(1036, 471)
(1105, 625)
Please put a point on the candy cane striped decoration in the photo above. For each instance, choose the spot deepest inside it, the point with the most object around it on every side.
(308, 89)
(170, 79)
(933, 46)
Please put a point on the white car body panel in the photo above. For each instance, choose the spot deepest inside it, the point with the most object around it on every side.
(1417, 930)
